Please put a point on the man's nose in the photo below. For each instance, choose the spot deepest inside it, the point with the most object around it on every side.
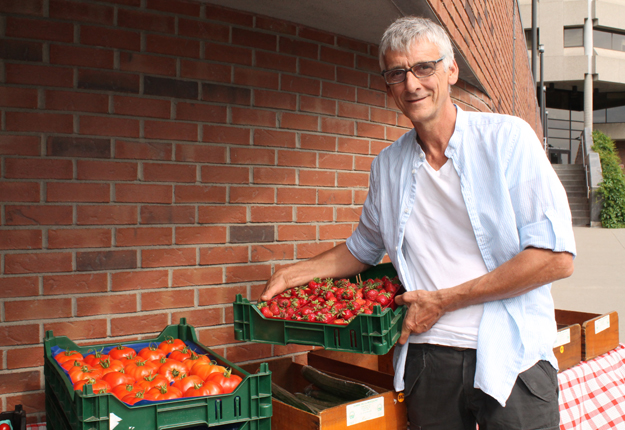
(412, 82)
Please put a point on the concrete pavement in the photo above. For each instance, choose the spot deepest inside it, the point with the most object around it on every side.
(598, 282)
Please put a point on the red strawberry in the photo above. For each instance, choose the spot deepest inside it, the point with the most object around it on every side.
(274, 308)
(371, 294)
(324, 317)
(265, 311)
(383, 298)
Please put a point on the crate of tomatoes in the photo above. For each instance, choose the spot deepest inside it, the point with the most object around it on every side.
(171, 382)
(355, 315)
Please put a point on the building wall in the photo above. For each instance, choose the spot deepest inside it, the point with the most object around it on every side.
(160, 156)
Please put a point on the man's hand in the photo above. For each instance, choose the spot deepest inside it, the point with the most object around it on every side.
(424, 309)
(276, 285)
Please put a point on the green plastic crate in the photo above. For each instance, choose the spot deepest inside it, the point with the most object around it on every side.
(367, 334)
(248, 407)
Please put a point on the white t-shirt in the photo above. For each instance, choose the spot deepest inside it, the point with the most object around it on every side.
(442, 252)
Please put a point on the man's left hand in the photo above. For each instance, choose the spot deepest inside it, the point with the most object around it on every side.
(424, 309)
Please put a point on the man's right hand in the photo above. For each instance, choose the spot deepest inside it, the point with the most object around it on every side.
(276, 285)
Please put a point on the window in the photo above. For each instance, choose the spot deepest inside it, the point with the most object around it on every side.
(618, 42)
(573, 37)
(602, 39)
(528, 38)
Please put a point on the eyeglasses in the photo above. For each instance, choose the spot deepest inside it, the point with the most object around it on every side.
(420, 70)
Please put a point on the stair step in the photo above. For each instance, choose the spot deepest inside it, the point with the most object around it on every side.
(573, 178)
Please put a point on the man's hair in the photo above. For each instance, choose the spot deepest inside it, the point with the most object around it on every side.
(405, 31)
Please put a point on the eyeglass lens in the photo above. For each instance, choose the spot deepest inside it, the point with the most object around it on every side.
(421, 70)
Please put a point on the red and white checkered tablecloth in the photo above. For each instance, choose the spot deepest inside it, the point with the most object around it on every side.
(592, 394)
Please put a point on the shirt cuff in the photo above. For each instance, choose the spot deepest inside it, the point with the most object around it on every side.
(554, 233)
(365, 251)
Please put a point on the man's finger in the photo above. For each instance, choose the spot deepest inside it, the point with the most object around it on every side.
(400, 300)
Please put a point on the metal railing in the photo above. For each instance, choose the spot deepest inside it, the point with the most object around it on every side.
(592, 167)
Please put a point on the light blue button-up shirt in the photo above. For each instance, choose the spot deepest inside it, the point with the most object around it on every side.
(514, 200)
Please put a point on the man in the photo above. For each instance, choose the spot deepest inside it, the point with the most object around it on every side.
(474, 219)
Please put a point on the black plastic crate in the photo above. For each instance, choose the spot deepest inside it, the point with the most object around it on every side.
(16, 417)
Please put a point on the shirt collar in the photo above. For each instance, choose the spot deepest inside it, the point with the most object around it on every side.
(454, 142)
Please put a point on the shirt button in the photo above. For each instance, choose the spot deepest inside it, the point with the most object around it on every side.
(414, 171)
(422, 156)
(406, 211)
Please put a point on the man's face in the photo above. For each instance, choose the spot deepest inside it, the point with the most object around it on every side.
(421, 100)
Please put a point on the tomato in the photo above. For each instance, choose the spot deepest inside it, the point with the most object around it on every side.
(84, 372)
(69, 364)
(140, 369)
(171, 344)
(187, 382)
(226, 380)
(64, 356)
(163, 393)
(4, 427)
(204, 369)
(151, 353)
(121, 351)
(133, 398)
(180, 354)
(205, 389)
(98, 386)
(90, 359)
(118, 378)
(107, 365)
(152, 381)
(172, 370)
(122, 390)
(194, 359)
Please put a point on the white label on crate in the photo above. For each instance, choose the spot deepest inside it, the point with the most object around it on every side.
(563, 337)
(602, 323)
(365, 411)
(113, 420)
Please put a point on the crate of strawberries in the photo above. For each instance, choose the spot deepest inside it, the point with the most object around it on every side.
(354, 315)
(170, 382)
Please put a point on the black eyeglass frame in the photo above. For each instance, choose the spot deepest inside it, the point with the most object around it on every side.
(435, 62)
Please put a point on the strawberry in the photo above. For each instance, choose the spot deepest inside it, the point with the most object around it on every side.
(324, 317)
(265, 310)
(383, 299)
(283, 302)
(274, 308)
(346, 314)
(371, 294)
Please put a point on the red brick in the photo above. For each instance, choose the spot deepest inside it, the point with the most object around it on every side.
(252, 195)
(369, 97)
(298, 47)
(168, 257)
(107, 126)
(200, 153)
(352, 179)
(297, 232)
(352, 77)
(353, 110)
(200, 235)
(222, 214)
(49, 76)
(143, 236)
(205, 71)
(281, 350)
(274, 175)
(25, 7)
(81, 12)
(249, 351)
(108, 304)
(18, 358)
(318, 35)
(314, 214)
(18, 97)
(275, 99)
(384, 116)
(318, 142)
(143, 193)
(216, 335)
(303, 196)
(78, 147)
(177, 46)
(353, 146)
(173, 130)
(227, 54)
(21, 239)
(71, 55)
(110, 37)
(368, 64)
(201, 318)
(318, 178)
(243, 116)
(375, 131)
(38, 215)
(317, 69)
(162, 172)
(75, 101)
(299, 121)
(271, 214)
(21, 50)
(171, 299)
(337, 126)
(19, 286)
(348, 214)
(42, 122)
(254, 39)
(336, 161)
(143, 150)
(273, 61)
(178, 7)
(79, 329)
(335, 231)
(106, 214)
(220, 295)
(75, 283)
(337, 56)
(223, 255)
(167, 214)
(275, 25)
(139, 280)
(394, 133)
(136, 106)
(204, 30)
(363, 163)
(23, 334)
(197, 276)
(78, 192)
(248, 272)
(225, 174)
(317, 105)
(199, 194)
(106, 260)
(16, 382)
(29, 168)
(270, 252)
(298, 84)
(252, 156)
(35, 309)
(339, 91)
(142, 20)
(297, 158)
(309, 250)
(19, 145)
(79, 238)
(19, 192)
(106, 170)
(335, 197)
(145, 63)
(138, 324)
(219, 134)
(201, 112)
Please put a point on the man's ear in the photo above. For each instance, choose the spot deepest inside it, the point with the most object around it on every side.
(453, 75)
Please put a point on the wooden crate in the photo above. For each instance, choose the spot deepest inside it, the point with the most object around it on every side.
(379, 363)
(381, 412)
(599, 332)
(568, 346)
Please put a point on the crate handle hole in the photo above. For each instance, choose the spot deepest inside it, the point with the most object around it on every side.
(218, 409)
(352, 338)
(337, 337)
(237, 406)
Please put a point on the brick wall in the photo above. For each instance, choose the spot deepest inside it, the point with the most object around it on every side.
(158, 157)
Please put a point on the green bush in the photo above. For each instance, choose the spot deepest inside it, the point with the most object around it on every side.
(612, 188)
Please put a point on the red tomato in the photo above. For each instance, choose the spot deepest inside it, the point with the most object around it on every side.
(152, 381)
(107, 365)
(69, 364)
(122, 390)
(194, 359)
(226, 380)
(118, 378)
(90, 359)
(133, 398)
(204, 369)
(84, 372)
(205, 389)
(180, 354)
(172, 370)
(121, 351)
(99, 386)
(171, 344)
(163, 393)
(151, 353)
(140, 369)
(187, 382)
(4, 427)
(62, 357)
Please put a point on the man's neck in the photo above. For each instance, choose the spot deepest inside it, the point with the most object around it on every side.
(434, 136)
